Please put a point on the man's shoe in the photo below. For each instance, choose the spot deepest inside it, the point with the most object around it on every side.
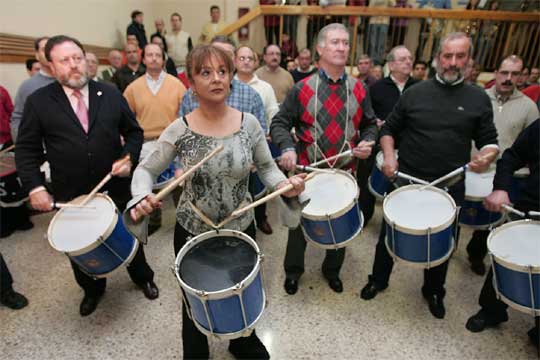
(291, 286)
(265, 227)
(481, 320)
(248, 348)
(14, 300)
(370, 291)
(477, 266)
(89, 305)
(436, 305)
(336, 285)
(150, 290)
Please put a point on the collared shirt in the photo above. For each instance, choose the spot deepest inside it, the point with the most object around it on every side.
(155, 85)
(73, 100)
(242, 97)
(342, 77)
(267, 94)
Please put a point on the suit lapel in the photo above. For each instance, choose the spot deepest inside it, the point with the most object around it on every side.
(94, 101)
(61, 98)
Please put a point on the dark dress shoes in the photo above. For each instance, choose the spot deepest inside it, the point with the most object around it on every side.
(89, 304)
(481, 320)
(150, 290)
(248, 348)
(436, 305)
(370, 291)
(477, 266)
(14, 300)
(265, 227)
(336, 285)
(291, 286)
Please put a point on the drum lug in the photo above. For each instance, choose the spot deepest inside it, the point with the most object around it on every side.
(202, 294)
(261, 256)
(238, 287)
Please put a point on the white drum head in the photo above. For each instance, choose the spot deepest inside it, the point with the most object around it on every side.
(415, 209)
(380, 158)
(517, 243)
(479, 185)
(329, 193)
(74, 229)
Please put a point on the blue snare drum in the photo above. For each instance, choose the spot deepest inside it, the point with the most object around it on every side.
(378, 184)
(420, 225)
(332, 217)
(94, 238)
(167, 176)
(220, 276)
(518, 182)
(256, 187)
(515, 258)
(473, 213)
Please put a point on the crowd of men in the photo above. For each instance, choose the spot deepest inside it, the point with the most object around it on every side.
(310, 112)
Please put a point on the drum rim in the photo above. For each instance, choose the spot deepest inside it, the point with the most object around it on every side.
(224, 293)
(483, 226)
(535, 269)
(95, 244)
(410, 231)
(515, 305)
(342, 211)
(522, 176)
(373, 192)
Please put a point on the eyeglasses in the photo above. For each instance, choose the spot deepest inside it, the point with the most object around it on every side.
(246, 58)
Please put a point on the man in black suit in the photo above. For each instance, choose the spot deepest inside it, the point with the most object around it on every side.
(82, 147)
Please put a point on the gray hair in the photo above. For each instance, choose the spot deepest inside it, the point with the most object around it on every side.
(392, 54)
(455, 36)
(321, 37)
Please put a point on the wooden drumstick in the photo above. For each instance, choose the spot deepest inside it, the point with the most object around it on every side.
(3, 151)
(176, 182)
(345, 153)
(103, 182)
(511, 209)
(267, 198)
(309, 168)
(410, 177)
(57, 205)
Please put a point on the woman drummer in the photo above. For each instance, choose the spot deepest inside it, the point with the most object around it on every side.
(221, 185)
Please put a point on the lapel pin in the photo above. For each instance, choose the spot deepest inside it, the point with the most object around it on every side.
(99, 93)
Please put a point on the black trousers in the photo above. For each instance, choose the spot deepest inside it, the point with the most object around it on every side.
(366, 199)
(272, 34)
(139, 270)
(295, 256)
(195, 343)
(6, 281)
(434, 278)
(477, 247)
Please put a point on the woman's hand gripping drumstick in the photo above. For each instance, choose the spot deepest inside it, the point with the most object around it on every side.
(120, 168)
(291, 187)
(151, 202)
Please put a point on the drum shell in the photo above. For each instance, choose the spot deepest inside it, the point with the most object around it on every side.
(113, 249)
(512, 281)
(378, 184)
(165, 178)
(474, 215)
(225, 306)
(344, 226)
(411, 245)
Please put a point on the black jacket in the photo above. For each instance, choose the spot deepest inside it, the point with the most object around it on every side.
(385, 94)
(78, 160)
(125, 76)
(138, 30)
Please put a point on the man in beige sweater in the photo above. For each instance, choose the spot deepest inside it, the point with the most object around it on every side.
(155, 99)
(280, 79)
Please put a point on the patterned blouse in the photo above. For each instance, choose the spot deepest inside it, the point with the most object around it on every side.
(218, 187)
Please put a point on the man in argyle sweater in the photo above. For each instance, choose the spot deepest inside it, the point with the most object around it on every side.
(331, 113)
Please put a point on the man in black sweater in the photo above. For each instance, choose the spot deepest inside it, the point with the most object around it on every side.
(524, 152)
(137, 28)
(384, 94)
(434, 124)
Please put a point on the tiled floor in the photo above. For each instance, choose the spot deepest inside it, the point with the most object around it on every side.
(316, 323)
